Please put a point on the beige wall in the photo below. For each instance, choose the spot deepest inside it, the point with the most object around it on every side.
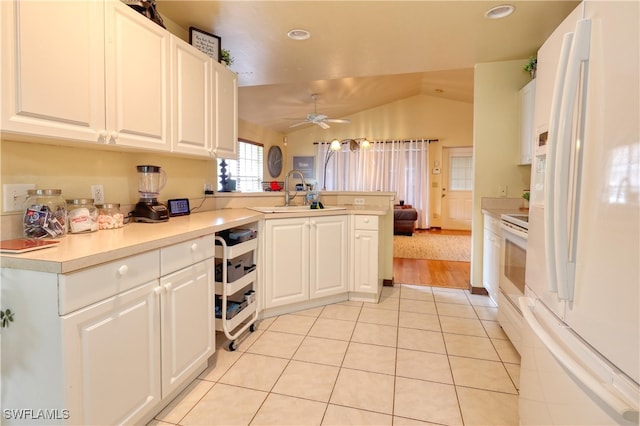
(496, 143)
(74, 168)
(421, 116)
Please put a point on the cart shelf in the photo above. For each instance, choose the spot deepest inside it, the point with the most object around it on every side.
(238, 284)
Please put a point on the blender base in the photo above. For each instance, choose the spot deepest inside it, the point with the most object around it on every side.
(150, 212)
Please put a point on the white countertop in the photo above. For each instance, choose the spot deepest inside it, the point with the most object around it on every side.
(78, 251)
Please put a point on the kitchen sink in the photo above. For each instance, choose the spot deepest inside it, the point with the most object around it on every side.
(293, 209)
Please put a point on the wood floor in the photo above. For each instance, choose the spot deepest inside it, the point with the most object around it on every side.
(439, 273)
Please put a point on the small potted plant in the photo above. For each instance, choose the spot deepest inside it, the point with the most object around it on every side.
(525, 196)
(531, 66)
(225, 57)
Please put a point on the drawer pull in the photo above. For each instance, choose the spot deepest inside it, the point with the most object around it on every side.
(357, 236)
(194, 247)
(366, 220)
(123, 270)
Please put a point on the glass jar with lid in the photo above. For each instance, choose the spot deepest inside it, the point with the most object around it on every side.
(110, 216)
(45, 214)
(83, 215)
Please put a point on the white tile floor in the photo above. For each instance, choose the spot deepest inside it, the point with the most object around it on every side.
(424, 355)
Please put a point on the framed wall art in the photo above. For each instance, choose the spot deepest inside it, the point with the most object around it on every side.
(205, 42)
(307, 165)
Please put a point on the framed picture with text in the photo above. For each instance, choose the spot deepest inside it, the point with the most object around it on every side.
(205, 42)
(307, 165)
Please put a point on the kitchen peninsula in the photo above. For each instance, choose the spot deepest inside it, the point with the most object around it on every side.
(134, 306)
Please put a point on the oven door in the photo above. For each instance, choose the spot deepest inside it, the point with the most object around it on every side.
(513, 260)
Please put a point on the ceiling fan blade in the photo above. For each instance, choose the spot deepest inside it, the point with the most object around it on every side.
(338, 120)
(299, 124)
(322, 124)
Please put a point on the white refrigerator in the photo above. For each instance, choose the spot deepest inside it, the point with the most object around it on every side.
(580, 353)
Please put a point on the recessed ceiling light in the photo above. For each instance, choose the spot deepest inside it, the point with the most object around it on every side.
(499, 12)
(298, 34)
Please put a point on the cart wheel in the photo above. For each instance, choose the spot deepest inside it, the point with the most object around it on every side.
(252, 328)
(232, 346)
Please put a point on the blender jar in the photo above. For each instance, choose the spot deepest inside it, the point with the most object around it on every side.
(151, 179)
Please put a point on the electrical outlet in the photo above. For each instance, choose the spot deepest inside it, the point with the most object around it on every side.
(358, 201)
(14, 195)
(97, 193)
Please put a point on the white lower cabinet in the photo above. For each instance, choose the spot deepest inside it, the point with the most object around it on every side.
(306, 258)
(187, 322)
(492, 242)
(365, 280)
(111, 343)
(113, 353)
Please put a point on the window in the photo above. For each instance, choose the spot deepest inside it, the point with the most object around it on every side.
(247, 170)
(461, 173)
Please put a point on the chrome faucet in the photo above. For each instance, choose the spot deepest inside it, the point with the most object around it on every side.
(287, 195)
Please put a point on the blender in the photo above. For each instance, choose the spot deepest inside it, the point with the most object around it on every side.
(151, 179)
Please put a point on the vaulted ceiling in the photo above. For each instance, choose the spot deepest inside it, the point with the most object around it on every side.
(361, 54)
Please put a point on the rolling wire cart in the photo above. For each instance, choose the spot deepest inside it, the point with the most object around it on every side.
(235, 289)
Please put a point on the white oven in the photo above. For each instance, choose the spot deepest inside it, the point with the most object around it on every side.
(513, 260)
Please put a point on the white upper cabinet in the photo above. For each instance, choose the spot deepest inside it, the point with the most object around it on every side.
(112, 77)
(191, 91)
(137, 80)
(226, 112)
(527, 104)
(52, 80)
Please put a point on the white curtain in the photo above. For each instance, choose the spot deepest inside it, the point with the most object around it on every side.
(394, 166)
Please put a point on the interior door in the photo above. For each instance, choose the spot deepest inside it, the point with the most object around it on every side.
(457, 178)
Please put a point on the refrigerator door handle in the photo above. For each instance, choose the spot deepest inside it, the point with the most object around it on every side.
(607, 392)
(556, 103)
(565, 268)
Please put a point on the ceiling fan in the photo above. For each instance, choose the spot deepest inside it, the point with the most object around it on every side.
(319, 119)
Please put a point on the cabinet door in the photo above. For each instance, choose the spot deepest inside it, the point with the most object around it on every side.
(286, 269)
(226, 122)
(328, 258)
(527, 104)
(137, 79)
(187, 322)
(365, 266)
(52, 80)
(491, 263)
(113, 350)
(190, 99)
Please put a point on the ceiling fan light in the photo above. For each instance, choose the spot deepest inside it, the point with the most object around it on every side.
(298, 34)
(500, 12)
(335, 145)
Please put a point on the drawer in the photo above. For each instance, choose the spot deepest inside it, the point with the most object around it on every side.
(185, 254)
(366, 222)
(82, 288)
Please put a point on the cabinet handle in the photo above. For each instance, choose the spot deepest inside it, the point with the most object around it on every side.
(114, 137)
(157, 291)
(103, 135)
(366, 220)
(313, 222)
(357, 236)
(194, 247)
(167, 288)
(123, 270)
